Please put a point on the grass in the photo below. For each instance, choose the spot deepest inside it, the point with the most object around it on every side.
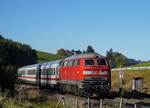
(141, 64)
(129, 75)
(44, 56)
(29, 98)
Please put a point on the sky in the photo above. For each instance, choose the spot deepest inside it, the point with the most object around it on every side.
(48, 25)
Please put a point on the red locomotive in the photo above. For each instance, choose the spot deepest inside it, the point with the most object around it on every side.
(80, 74)
(85, 73)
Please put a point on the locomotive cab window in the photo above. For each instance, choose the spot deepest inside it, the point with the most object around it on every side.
(101, 62)
(65, 63)
(70, 63)
(89, 62)
(76, 62)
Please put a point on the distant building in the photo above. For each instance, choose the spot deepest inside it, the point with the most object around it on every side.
(133, 61)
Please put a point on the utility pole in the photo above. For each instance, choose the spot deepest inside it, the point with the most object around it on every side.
(121, 77)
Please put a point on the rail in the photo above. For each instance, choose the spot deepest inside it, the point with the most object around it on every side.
(131, 68)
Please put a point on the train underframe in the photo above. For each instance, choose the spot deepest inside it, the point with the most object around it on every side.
(98, 88)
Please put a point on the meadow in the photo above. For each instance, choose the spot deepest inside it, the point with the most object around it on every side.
(128, 77)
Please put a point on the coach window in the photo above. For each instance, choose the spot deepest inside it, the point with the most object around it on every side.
(49, 71)
(31, 72)
(54, 71)
(89, 62)
(101, 62)
(22, 72)
(57, 70)
(42, 71)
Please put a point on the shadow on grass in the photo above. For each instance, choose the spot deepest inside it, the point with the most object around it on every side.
(137, 95)
(126, 94)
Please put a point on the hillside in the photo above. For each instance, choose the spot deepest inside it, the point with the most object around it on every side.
(141, 64)
(44, 56)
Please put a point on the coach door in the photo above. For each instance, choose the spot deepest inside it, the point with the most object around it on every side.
(38, 76)
(47, 78)
(54, 75)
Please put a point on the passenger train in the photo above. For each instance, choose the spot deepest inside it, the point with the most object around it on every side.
(80, 74)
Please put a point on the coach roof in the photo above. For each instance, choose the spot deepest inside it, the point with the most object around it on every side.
(30, 66)
(47, 64)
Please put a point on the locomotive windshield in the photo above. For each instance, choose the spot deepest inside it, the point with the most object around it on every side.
(101, 62)
(89, 62)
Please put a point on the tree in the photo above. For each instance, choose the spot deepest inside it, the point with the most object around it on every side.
(13, 55)
(76, 51)
(109, 53)
(1, 37)
(7, 76)
(116, 59)
(110, 57)
(120, 59)
(64, 52)
(90, 49)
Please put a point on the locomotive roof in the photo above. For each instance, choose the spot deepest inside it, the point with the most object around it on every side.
(87, 55)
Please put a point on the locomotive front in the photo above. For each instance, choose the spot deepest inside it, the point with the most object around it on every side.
(97, 76)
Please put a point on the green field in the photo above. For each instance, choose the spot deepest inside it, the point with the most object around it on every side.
(129, 75)
(44, 56)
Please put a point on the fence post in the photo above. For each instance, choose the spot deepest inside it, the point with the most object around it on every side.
(101, 103)
(76, 103)
(88, 102)
(121, 102)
